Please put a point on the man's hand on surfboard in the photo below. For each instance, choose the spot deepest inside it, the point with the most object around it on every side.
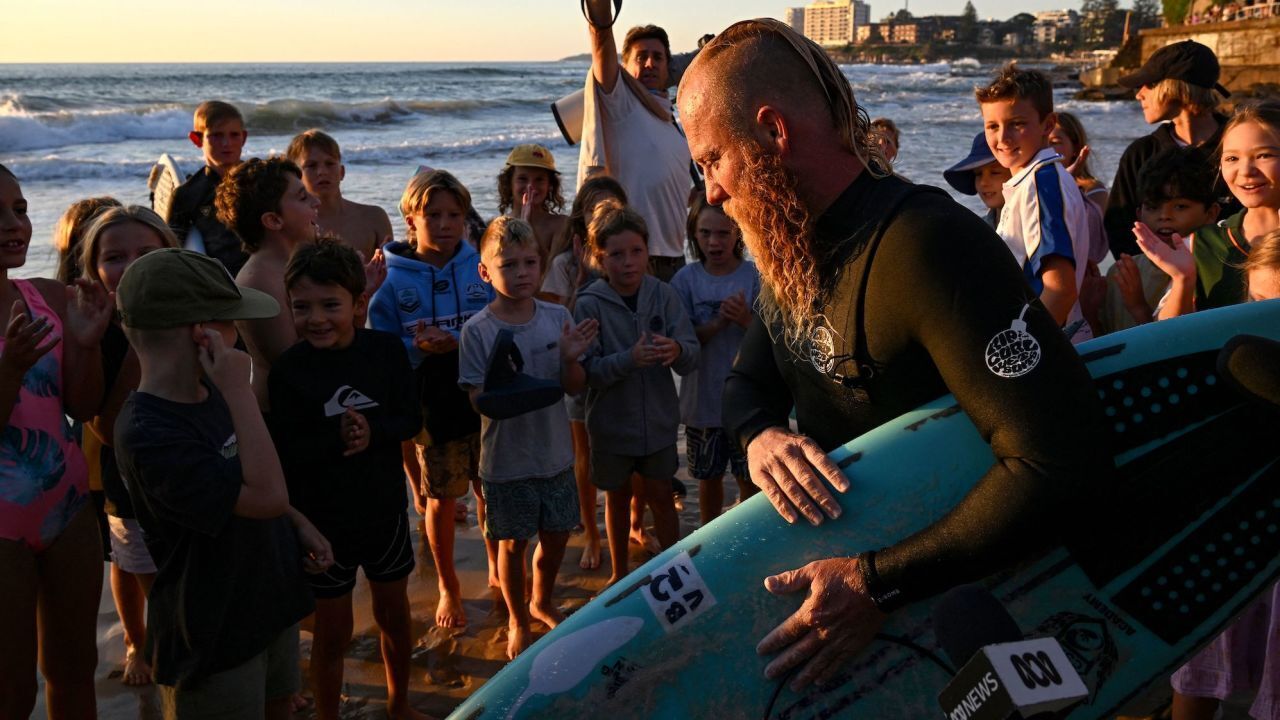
(836, 621)
(789, 469)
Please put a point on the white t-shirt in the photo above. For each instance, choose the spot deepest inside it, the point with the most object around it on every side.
(702, 293)
(650, 158)
(1044, 214)
(536, 444)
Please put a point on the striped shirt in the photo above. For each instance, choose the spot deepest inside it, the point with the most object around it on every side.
(1044, 214)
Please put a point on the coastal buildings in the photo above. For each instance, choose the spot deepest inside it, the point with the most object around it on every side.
(830, 23)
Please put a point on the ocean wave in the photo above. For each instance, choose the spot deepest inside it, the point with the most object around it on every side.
(58, 168)
(25, 126)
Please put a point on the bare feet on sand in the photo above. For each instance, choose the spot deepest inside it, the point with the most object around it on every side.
(518, 639)
(449, 612)
(136, 670)
(646, 540)
(590, 555)
(548, 614)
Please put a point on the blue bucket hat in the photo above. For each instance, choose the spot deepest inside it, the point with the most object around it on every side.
(960, 175)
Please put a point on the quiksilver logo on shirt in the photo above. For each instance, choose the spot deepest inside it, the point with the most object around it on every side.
(347, 397)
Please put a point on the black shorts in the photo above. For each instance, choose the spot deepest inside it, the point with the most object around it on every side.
(383, 549)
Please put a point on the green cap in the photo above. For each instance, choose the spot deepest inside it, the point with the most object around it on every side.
(173, 287)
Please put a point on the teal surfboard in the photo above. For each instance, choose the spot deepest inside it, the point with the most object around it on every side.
(1151, 569)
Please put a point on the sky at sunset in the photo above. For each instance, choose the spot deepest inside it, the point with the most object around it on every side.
(367, 30)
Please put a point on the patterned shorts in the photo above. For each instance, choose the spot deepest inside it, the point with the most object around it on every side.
(709, 450)
(448, 468)
(519, 509)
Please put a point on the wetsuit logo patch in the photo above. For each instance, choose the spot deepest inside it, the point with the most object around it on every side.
(1014, 352)
(822, 347)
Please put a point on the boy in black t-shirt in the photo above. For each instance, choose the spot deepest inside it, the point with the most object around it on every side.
(342, 402)
(208, 490)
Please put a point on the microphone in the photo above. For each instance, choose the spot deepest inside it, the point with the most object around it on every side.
(1002, 677)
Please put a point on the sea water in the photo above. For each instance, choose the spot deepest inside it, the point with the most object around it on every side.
(73, 131)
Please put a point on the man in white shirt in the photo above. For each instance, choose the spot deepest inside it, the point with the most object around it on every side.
(629, 132)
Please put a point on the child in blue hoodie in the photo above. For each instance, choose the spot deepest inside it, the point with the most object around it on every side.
(433, 286)
(633, 413)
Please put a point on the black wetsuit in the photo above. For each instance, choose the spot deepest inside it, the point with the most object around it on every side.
(920, 291)
(193, 207)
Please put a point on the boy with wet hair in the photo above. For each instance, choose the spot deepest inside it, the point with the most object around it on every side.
(272, 212)
(218, 130)
(1044, 221)
(343, 400)
(208, 490)
(365, 228)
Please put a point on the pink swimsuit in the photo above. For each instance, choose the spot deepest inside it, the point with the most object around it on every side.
(44, 480)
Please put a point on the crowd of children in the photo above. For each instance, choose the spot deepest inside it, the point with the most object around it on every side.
(279, 364)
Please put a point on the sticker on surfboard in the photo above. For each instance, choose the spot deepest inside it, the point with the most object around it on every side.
(676, 593)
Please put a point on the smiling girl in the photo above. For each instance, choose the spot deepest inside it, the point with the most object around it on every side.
(49, 548)
(1205, 268)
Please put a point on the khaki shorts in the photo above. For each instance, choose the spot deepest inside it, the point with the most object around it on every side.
(243, 691)
(449, 468)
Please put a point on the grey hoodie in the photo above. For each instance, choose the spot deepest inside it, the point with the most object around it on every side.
(631, 410)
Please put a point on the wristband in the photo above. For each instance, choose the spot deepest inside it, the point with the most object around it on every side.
(886, 599)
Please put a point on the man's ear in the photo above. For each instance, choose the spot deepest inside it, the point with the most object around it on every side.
(196, 138)
(772, 130)
(342, 173)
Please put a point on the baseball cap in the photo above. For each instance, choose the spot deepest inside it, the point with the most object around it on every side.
(174, 287)
(960, 175)
(1188, 61)
(532, 156)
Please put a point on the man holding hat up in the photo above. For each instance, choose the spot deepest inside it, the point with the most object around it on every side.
(630, 132)
(1177, 84)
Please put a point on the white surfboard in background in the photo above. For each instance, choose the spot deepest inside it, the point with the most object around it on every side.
(165, 179)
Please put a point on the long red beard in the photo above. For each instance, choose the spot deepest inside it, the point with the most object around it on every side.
(778, 231)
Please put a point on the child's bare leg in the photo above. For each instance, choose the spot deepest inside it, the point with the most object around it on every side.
(546, 565)
(745, 488)
(586, 495)
(17, 615)
(70, 587)
(332, 636)
(639, 535)
(1186, 707)
(440, 531)
(617, 506)
(710, 499)
(666, 523)
(131, 606)
(511, 577)
(490, 545)
(391, 612)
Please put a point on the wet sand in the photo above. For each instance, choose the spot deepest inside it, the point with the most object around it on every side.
(448, 664)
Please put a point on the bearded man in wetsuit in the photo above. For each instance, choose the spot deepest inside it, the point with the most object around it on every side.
(879, 296)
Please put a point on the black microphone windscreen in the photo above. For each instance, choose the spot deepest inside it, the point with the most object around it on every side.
(967, 618)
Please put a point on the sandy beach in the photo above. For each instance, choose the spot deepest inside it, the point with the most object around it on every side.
(448, 664)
